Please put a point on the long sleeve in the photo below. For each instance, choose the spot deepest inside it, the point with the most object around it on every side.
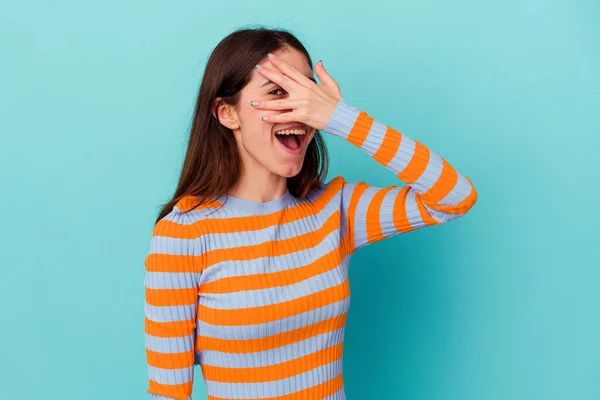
(435, 193)
(171, 286)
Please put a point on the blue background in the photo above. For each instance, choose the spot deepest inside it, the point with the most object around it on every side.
(96, 102)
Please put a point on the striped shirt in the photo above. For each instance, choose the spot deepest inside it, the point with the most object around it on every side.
(257, 293)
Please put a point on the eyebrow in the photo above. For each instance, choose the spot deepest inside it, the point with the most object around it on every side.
(270, 81)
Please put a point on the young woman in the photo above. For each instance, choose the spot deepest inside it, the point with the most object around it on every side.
(247, 271)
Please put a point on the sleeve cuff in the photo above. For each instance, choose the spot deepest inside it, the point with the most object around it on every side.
(342, 119)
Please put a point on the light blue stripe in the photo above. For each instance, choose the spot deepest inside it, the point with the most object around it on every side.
(170, 245)
(274, 295)
(274, 356)
(342, 119)
(412, 211)
(170, 280)
(374, 138)
(170, 313)
(256, 331)
(386, 213)
(403, 155)
(282, 387)
(171, 376)
(339, 395)
(360, 218)
(171, 344)
(430, 176)
(461, 190)
(440, 216)
(270, 264)
(175, 216)
(255, 207)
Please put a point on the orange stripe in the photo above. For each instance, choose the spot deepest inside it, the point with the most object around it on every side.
(360, 130)
(271, 312)
(274, 372)
(272, 341)
(461, 207)
(389, 146)
(373, 223)
(158, 262)
(416, 165)
(171, 297)
(273, 248)
(181, 391)
(444, 185)
(359, 189)
(170, 360)
(273, 279)
(189, 201)
(400, 218)
(173, 229)
(319, 391)
(169, 329)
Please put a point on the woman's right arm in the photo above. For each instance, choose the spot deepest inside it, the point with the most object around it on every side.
(171, 285)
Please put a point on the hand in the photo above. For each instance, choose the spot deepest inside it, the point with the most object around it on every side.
(309, 103)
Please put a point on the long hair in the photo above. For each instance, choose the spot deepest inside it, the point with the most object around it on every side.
(212, 162)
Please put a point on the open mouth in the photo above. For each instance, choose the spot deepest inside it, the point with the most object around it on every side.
(292, 139)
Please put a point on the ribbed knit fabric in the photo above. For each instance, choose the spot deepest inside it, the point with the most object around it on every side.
(258, 293)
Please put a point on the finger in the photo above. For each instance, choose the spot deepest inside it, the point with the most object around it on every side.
(290, 71)
(276, 77)
(280, 104)
(324, 77)
(281, 117)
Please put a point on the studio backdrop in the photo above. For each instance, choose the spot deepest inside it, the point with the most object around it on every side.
(96, 100)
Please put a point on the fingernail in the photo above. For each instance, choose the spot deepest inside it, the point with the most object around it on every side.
(321, 61)
(254, 103)
(258, 66)
(264, 118)
(270, 55)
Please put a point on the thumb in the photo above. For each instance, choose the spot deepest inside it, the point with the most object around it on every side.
(324, 77)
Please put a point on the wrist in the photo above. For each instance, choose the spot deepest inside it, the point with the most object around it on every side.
(342, 119)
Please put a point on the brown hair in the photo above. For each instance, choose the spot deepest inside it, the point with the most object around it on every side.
(212, 163)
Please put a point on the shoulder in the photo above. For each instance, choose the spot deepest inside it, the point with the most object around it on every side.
(324, 192)
(176, 241)
(186, 219)
(332, 193)
(191, 203)
(334, 185)
(341, 185)
(347, 192)
(338, 186)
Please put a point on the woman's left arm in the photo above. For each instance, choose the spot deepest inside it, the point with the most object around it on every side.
(436, 192)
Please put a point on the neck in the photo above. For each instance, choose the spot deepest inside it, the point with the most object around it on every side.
(260, 187)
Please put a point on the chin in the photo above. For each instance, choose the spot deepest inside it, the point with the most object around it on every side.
(290, 170)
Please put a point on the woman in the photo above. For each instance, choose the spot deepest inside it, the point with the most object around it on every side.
(247, 271)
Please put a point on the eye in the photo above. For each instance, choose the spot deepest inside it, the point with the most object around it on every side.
(274, 90)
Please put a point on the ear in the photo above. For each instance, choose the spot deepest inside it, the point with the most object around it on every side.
(226, 114)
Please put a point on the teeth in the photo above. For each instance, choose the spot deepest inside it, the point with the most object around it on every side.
(291, 132)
